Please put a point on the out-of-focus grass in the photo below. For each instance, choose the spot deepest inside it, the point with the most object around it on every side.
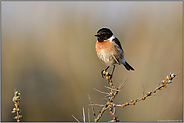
(48, 55)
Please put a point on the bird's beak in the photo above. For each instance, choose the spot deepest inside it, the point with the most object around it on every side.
(97, 35)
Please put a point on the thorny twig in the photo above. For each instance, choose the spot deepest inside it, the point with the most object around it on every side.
(114, 91)
(75, 118)
(93, 110)
(88, 115)
(84, 117)
(16, 100)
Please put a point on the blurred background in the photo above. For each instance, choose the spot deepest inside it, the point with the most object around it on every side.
(48, 55)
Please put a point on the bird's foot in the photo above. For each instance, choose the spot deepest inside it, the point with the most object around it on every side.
(103, 73)
(109, 77)
(107, 74)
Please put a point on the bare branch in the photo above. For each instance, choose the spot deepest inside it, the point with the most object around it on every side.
(84, 117)
(111, 88)
(162, 85)
(92, 107)
(88, 115)
(75, 118)
(101, 91)
(122, 85)
(96, 104)
(114, 91)
(16, 100)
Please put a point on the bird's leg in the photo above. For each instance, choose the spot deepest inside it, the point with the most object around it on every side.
(112, 71)
(107, 68)
(109, 76)
(103, 72)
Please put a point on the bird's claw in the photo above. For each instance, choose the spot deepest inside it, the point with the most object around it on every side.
(103, 73)
(107, 74)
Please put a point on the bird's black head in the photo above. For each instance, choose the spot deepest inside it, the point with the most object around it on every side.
(103, 34)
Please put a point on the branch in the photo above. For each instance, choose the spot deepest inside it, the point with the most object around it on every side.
(84, 117)
(75, 118)
(114, 91)
(92, 107)
(16, 100)
(165, 82)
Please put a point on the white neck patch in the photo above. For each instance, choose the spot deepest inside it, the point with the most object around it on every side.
(111, 38)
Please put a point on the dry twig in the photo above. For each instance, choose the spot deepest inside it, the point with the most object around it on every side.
(16, 100)
(114, 91)
(93, 110)
(75, 118)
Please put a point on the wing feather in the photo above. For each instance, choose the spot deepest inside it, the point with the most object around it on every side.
(116, 41)
(119, 55)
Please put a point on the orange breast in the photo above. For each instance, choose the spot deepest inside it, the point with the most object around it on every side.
(106, 46)
(106, 52)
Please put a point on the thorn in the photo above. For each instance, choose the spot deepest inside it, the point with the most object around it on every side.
(84, 117)
(75, 118)
(101, 91)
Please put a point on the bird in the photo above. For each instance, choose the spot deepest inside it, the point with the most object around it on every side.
(109, 50)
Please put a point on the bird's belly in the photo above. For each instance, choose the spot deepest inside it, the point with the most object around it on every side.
(107, 58)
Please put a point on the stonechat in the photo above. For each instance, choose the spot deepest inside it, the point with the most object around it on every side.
(109, 50)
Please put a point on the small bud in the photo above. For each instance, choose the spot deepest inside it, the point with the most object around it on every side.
(20, 116)
(19, 94)
(148, 93)
(131, 101)
(143, 98)
(107, 77)
(164, 86)
(16, 104)
(15, 99)
(169, 81)
(163, 81)
(107, 73)
(15, 117)
(172, 76)
(111, 84)
(111, 93)
(18, 109)
(13, 111)
(110, 108)
(167, 78)
(104, 72)
(160, 88)
(154, 91)
(19, 97)
(126, 104)
(16, 93)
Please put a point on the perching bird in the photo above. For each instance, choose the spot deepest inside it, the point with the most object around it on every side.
(109, 50)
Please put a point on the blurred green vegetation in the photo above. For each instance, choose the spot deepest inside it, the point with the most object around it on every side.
(48, 54)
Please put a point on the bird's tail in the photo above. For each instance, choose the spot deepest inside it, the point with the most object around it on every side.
(127, 66)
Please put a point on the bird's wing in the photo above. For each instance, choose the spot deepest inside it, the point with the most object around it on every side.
(117, 42)
(119, 55)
